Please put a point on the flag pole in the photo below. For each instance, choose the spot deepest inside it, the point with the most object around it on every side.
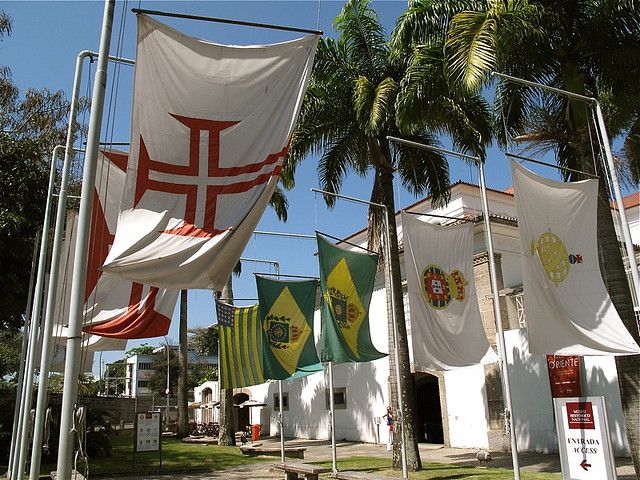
(332, 423)
(225, 20)
(506, 386)
(400, 421)
(615, 184)
(47, 329)
(281, 421)
(74, 340)
(21, 446)
(23, 355)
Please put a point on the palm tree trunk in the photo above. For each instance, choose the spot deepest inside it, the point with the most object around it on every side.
(227, 434)
(406, 378)
(183, 391)
(615, 279)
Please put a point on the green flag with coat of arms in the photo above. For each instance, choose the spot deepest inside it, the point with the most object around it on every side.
(286, 309)
(346, 282)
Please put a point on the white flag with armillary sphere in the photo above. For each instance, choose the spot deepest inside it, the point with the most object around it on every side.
(568, 310)
(446, 328)
(211, 126)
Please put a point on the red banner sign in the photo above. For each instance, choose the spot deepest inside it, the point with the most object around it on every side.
(580, 416)
(564, 376)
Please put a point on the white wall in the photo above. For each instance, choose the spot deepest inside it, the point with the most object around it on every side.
(531, 394)
(366, 392)
(467, 407)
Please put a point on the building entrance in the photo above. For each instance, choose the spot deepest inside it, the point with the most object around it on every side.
(240, 415)
(428, 409)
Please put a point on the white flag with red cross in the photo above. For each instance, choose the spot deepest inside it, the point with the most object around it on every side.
(114, 307)
(211, 126)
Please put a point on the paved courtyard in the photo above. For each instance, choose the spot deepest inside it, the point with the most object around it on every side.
(320, 450)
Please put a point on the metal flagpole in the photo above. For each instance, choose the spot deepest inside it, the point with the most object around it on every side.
(47, 329)
(74, 340)
(400, 420)
(23, 355)
(626, 233)
(23, 434)
(506, 386)
(332, 423)
(281, 421)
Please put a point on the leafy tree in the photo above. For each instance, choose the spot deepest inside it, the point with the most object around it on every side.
(203, 340)
(591, 48)
(143, 349)
(362, 90)
(31, 124)
(10, 350)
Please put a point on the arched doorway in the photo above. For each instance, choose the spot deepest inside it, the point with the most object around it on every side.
(207, 410)
(240, 415)
(428, 409)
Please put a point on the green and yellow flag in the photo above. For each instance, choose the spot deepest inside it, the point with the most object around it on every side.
(240, 345)
(346, 281)
(286, 309)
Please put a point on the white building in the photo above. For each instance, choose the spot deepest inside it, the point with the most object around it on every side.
(461, 408)
(139, 369)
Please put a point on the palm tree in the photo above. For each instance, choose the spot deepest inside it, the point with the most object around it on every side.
(280, 205)
(183, 383)
(360, 92)
(591, 48)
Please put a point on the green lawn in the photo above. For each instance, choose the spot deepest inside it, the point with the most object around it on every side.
(436, 470)
(176, 457)
(184, 458)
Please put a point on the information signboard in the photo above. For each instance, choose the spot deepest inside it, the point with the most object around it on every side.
(583, 439)
(564, 375)
(147, 436)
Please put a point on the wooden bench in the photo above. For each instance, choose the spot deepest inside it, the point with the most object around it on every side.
(290, 452)
(359, 476)
(293, 470)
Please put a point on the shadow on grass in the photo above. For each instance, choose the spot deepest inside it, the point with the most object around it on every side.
(176, 457)
(434, 471)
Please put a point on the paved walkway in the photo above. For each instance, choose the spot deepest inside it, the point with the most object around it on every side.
(320, 450)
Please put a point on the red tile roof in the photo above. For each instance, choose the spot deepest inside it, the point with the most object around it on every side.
(631, 200)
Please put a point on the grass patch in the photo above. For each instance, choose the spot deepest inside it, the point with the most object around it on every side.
(176, 457)
(441, 471)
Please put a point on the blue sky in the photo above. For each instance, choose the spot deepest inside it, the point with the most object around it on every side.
(41, 53)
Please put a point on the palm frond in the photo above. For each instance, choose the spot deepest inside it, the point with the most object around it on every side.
(426, 22)
(363, 36)
(343, 154)
(280, 204)
(424, 171)
(470, 48)
(631, 150)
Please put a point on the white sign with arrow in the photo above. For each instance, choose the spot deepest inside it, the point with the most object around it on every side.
(583, 439)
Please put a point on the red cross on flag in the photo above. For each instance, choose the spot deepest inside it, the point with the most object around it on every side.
(114, 307)
(210, 128)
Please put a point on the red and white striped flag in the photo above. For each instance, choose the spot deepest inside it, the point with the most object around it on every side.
(211, 126)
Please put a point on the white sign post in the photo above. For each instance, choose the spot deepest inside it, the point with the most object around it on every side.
(147, 434)
(583, 439)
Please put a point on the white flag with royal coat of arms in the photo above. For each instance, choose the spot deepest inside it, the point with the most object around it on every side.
(210, 129)
(446, 327)
(568, 310)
